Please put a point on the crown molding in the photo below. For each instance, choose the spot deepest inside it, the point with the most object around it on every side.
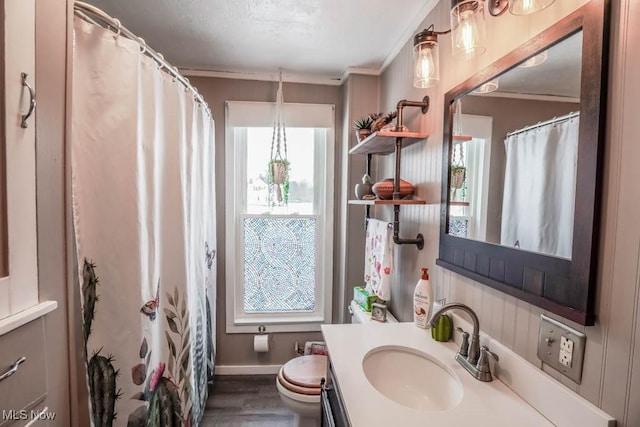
(263, 76)
(408, 33)
(527, 96)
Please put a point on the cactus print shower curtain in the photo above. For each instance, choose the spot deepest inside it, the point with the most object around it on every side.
(144, 218)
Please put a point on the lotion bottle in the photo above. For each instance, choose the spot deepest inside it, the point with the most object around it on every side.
(422, 300)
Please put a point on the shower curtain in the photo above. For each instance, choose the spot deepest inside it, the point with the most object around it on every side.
(144, 217)
(540, 188)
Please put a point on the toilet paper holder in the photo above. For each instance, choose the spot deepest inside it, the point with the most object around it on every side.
(261, 340)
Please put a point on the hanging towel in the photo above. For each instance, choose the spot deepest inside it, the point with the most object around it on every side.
(378, 259)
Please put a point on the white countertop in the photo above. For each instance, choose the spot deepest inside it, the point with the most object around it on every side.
(483, 404)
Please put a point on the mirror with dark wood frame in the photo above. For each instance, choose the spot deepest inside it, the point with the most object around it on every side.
(522, 165)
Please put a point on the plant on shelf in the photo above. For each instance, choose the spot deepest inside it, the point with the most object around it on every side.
(380, 120)
(363, 127)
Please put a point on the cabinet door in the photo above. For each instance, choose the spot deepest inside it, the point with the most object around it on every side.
(18, 285)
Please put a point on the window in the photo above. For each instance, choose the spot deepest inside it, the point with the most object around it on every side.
(468, 211)
(279, 255)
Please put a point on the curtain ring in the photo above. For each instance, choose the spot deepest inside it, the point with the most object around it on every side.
(161, 62)
(143, 45)
(118, 28)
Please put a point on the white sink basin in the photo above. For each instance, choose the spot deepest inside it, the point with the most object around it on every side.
(412, 378)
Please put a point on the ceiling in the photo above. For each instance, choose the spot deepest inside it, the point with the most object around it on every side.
(558, 76)
(313, 37)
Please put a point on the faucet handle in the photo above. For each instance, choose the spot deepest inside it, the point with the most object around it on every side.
(483, 361)
(464, 345)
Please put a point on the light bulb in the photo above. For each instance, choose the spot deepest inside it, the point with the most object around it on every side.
(424, 64)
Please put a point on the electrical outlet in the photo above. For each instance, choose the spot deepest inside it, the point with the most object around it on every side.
(566, 344)
(566, 351)
(565, 358)
(561, 347)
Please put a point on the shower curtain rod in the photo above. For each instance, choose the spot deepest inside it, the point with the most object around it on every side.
(548, 122)
(96, 16)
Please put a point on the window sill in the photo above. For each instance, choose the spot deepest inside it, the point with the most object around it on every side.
(250, 326)
(23, 317)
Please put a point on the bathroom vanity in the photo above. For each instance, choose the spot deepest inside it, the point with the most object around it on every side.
(395, 374)
(334, 414)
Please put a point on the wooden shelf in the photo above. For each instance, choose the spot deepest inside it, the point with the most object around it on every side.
(384, 142)
(378, 202)
(459, 203)
(462, 138)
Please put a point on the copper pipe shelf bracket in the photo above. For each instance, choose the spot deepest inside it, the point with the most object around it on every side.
(419, 240)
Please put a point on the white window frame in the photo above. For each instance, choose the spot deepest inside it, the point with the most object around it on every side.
(260, 114)
(481, 127)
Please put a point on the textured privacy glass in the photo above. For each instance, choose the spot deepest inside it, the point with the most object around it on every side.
(279, 264)
(458, 227)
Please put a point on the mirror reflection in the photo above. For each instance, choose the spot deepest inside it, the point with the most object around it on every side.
(514, 152)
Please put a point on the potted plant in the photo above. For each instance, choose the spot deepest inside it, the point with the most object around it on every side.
(278, 171)
(279, 176)
(458, 174)
(363, 127)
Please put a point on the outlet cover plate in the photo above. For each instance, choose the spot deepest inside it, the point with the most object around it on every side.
(549, 338)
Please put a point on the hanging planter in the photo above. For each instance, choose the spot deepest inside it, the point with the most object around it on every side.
(458, 174)
(278, 171)
(278, 168)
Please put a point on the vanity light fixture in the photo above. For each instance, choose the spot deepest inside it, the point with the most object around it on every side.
(535, 60)
(488, 87)
(527, 7)
(468, 36)
(426, 58)
(468, 39)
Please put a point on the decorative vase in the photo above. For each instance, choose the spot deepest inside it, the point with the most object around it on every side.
(362, 134)
(384, 189)
(364, 188)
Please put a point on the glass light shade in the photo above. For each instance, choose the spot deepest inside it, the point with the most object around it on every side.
(426, 64)
(468, 29)
(527, 7)
(488, 87)
(535, 60)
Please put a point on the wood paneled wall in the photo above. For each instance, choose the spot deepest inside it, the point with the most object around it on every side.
(611, 378)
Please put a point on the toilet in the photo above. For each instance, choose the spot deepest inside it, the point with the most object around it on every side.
(298, 380)
(298, 383)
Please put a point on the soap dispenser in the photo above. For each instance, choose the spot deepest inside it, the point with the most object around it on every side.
(422, 300)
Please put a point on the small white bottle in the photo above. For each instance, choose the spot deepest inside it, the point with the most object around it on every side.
(422, 300)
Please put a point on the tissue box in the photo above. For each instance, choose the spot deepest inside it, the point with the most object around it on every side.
(363, 298)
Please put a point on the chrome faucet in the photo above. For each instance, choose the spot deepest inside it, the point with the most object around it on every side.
(471, 356)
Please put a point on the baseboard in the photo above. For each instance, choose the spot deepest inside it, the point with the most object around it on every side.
(247, 369)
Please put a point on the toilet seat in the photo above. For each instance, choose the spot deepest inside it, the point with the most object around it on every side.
(302, 375)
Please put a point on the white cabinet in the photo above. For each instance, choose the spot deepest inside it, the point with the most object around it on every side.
(18, 289)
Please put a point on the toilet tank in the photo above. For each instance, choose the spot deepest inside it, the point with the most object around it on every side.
(358, 315)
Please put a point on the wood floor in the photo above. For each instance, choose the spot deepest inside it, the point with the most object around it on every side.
(246, 401)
